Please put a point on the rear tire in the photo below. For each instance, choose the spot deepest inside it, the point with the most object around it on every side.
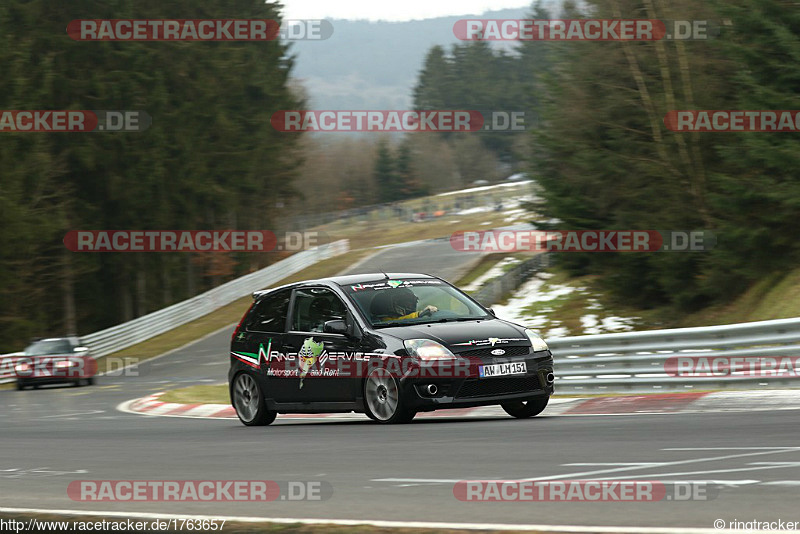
(249, 403)
(20, 385)
(383, 399)
(527, 408)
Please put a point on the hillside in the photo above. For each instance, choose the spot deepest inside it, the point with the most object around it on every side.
(374, 65)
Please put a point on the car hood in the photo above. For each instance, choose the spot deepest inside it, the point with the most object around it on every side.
(462, 335)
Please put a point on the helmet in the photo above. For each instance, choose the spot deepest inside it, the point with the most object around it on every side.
(404, 301)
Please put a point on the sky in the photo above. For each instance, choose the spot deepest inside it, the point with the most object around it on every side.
(391, 11)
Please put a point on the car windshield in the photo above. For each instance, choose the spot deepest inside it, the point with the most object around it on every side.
(49, 346)
(416, 301)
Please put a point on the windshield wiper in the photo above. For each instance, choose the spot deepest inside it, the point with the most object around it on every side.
(391, 323)
(455, 319)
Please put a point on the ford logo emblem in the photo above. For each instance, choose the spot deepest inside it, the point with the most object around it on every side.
(498, 352)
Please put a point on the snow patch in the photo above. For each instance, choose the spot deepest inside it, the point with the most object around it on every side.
(529, 293)
(559, 331)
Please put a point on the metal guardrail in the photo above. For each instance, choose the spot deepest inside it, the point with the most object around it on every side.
(738, 356)
(147, 326)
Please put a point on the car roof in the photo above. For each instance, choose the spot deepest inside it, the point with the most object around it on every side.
(347, 280)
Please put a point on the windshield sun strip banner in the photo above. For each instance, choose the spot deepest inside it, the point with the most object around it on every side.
(391, 284)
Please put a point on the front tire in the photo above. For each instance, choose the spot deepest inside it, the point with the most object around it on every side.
(20, 385)
(384, 400)
(249, 403)
(527, 408)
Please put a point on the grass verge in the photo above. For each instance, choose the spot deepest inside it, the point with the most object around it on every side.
(216, 394)
(774, 297)
(372, 233)
(479, 269)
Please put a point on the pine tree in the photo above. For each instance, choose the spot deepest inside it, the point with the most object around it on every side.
(385, 175)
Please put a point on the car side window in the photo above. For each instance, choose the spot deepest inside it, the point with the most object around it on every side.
(313, 307)
(269, 313)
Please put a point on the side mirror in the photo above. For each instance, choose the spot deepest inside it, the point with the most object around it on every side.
(337, 326)
(492, 312)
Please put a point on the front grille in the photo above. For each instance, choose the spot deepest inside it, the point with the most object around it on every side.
(487, 352)
(488, 387)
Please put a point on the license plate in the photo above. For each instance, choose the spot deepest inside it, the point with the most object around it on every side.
(502, 369)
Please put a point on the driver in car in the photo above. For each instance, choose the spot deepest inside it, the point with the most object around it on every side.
(404, 305)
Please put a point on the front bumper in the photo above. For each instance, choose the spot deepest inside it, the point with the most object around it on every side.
(470, 391)
(45, 380)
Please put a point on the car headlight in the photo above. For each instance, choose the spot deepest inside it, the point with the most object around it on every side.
(537, 342)
(64, 363)
(428, 350)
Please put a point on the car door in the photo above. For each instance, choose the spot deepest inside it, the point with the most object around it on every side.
(259, 340)
(318, 353)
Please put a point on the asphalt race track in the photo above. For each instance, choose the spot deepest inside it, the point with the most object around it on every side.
(55, 435)
(435, 257)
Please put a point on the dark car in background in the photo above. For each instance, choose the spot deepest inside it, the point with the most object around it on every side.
(387, 345)
(55, 360)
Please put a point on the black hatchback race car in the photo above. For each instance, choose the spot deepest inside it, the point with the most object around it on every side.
(387, 345)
